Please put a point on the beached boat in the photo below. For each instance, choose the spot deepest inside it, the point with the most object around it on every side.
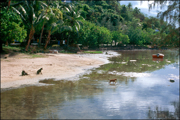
(157, 59)
(159, 55)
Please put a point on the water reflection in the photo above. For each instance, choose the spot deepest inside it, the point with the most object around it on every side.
(162, 113)
(142, 91)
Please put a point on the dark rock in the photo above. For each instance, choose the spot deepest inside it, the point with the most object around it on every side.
(171, 80)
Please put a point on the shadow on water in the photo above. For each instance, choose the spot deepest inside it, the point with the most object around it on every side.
(143, 90)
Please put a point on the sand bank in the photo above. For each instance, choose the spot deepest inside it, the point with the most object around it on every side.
(57, 66)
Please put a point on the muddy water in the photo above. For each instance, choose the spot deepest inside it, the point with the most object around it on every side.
(143, 90)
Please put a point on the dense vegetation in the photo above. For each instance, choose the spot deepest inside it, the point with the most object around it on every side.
(90, 23)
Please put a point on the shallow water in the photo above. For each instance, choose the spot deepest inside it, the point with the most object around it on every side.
(142, 91)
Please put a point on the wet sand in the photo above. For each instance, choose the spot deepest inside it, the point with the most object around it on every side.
(57, 66)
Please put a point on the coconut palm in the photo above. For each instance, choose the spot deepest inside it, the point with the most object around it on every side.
(29, 14)
(56, 4)
(55, 20)
(129, 6)
(136, 10)
(72, 20)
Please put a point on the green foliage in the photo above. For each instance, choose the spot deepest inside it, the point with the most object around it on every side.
(103, 22)
(93, 52)
(53, 17)
(11, 27)
(171, 13)
(92, 35)
(12, 48)
(136, 36)
(119, 37)
(37, 56)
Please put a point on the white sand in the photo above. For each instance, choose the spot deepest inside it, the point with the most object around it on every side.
(57, 66)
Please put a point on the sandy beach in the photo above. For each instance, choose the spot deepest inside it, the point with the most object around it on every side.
(56, 66)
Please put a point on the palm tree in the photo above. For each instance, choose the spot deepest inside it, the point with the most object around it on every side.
(72, 20)
(57, 4)
(44, 21)
(129, 6)
(136, 10)
(55, 20)
(29, 15)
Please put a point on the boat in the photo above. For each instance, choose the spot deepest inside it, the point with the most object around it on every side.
(159, 55)
(157, 59)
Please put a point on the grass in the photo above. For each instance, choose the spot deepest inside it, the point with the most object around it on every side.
(65, 51)
(11, 48)
(93, 52)
(37, 56)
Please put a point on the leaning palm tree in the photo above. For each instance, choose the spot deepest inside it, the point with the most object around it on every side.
(72, 20)
(56, 4)
(55, 20)
(29, 14)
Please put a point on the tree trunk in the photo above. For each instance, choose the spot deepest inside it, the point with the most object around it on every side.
(41, 35)
(68, 42)
(48, 39)
(9, 2)
(32, 31)
(1, 50)
(42, 28)
(7, 43)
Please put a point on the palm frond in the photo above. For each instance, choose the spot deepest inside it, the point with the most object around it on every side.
(60, 22)
(44, 4)
(78, 25)
(22, 17)
(24, 11)
(65, 28)
(40, 17)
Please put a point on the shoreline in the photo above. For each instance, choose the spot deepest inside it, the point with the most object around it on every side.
(55, 66)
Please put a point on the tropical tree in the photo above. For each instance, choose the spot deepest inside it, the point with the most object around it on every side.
(29, 15)
(92, 35)
(124, 12)
(72, 20)
(171, 14)
(119, 37)
(56, 4)
(104, 35)
(129, 6)
(11, 27)
(55, 17)
(136, 11)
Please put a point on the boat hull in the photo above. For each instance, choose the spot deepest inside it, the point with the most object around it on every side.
(158, 56)
(157, 59)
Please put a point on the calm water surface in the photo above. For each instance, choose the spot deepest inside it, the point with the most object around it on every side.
(143, 90)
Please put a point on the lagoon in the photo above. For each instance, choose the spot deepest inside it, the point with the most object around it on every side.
(143, 91)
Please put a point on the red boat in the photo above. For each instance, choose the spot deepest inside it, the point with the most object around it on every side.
(157, 59)
(159, 55)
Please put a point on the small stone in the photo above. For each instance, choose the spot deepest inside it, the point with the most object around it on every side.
(171, 80)
(133, 60)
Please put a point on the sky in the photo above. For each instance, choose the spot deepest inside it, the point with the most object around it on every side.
(144, 8)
